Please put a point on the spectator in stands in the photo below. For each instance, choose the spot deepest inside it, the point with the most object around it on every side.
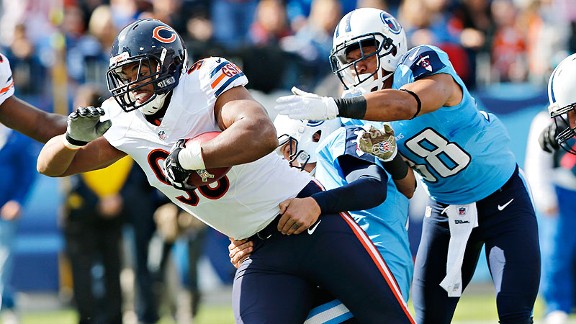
(270, 23)
(232, 20)
(101, 27)
(29, 73)
(174, 223)
(17, 155)
(312, 43)
(509, 60)
(473, 20)
(92, 227)
(141, 202)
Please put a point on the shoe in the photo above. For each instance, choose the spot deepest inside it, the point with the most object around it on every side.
(556, 317)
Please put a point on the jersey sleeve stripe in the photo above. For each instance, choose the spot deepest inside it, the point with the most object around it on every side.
(216, 69)
(223, 87)
(5, 89)
(218, 79)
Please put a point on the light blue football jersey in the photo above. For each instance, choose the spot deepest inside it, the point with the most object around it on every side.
(462, 153)
(386, 223)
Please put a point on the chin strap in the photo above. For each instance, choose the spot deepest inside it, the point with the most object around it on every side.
(154, 105)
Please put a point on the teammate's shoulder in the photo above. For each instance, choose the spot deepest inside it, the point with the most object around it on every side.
(217, 74)
(425, 60)
(5, 70)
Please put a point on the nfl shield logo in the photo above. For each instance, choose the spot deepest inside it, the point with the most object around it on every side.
(162, 135)
(462, 211)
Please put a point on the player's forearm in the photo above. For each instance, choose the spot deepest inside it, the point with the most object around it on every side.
(390, 105)
(55, 158)
(31, 121)
(243, 142)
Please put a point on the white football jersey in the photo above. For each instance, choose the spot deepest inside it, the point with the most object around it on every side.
(246, 199)
(6, 81)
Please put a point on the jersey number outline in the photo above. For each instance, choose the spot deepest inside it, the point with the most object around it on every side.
(445, 158)
(191, 198)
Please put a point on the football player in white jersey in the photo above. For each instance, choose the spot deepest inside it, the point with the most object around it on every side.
(23, 117)
(156, 102)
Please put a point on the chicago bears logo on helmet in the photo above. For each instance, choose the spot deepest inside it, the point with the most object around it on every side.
(392, 23)
(156, 34)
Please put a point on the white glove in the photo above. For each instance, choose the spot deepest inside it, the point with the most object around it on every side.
(305, 105)
(84, 126)
(380, 143)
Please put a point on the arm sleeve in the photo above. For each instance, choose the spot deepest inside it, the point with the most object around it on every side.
(366, 188)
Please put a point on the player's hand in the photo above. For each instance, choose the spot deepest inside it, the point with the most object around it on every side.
(175, 173)
(239, 251)
(84, 125)
(547, 138)
(298, 214)
(305, 105)
(380, 143)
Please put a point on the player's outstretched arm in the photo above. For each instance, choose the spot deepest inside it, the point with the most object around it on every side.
(82, 148)
(31, 121)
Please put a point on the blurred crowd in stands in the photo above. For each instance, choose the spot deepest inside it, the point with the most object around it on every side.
(283, 43)
(56, 45)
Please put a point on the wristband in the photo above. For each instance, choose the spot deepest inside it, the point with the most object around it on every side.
(190, 157)
(354, 107)
(71, 143)
(417, 101)
(397, 168)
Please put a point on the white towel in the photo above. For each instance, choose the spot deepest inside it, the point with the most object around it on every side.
(462, 219)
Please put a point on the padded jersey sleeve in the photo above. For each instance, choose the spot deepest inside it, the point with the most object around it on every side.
(365, 184)
(423, 61)
(6, 81)
(217, 74)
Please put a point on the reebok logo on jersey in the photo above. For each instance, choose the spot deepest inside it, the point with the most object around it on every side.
(313, 228)
(501, 207)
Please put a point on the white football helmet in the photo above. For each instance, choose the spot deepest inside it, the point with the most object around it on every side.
(306, 135)
(562, 98)
(365, 27)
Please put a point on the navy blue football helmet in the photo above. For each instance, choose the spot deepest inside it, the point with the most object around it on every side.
(150, 43)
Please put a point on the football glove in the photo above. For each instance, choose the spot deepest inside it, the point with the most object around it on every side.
(176, 175)
(305, 105)
(84, 126)
(547, 138)
(380, 143)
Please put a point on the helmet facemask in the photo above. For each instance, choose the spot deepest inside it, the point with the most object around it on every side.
(348, 72)
(162, 77)
(297, 158)
(564, 133)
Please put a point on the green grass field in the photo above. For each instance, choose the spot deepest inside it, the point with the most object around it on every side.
(474, 307)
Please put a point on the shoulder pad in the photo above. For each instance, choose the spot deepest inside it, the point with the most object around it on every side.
(423, 61)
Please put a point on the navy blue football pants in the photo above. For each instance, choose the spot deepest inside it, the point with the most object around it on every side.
(510, 239)
(278, 282)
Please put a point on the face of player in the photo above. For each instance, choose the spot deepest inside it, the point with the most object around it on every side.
(572, 118)
(365, 66)
(288, 150)
(142, 89)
